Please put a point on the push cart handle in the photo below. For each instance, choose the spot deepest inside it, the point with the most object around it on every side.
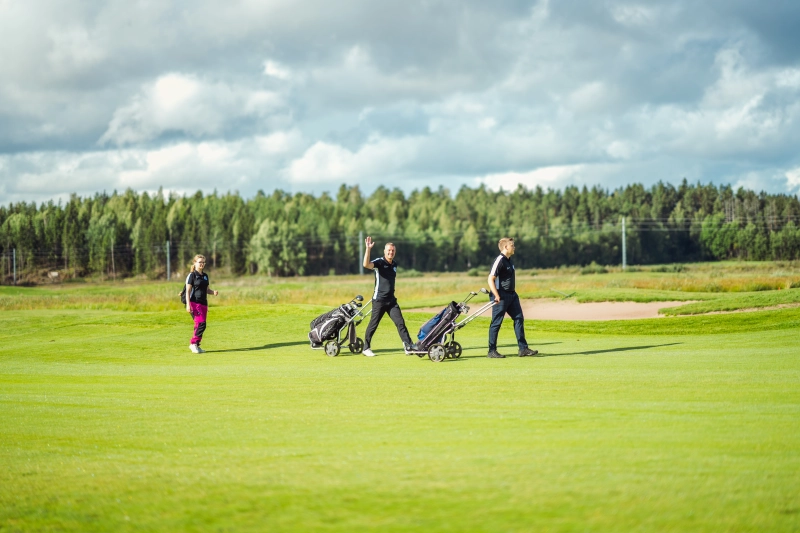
(474, 315)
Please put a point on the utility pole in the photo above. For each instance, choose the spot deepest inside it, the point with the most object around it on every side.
(15, 266)
(167, 260)
(361, 252)
(624, 251)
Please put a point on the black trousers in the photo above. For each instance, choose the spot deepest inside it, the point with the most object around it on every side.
(380, 308)
(509, 303)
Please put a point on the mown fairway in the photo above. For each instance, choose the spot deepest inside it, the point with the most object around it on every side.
(108, 423)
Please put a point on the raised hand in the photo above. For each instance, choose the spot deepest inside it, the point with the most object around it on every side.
(369, 242)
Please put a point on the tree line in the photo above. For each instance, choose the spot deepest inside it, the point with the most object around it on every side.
(283, 234)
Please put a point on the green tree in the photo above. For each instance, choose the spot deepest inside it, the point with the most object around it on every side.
(276, 249)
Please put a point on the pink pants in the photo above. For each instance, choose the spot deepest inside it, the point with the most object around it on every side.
(199, 314)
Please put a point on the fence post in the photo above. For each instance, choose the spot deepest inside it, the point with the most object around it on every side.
(624, 251)
(168, 261)
(15, 266)
(361, 252)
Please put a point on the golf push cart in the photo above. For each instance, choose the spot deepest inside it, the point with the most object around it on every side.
(330, 330)
(437, 337)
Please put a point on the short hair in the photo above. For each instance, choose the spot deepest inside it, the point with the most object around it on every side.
(389, 244)
(505, 241)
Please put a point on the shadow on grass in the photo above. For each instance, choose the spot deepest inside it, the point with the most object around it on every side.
(513, 353)
(259, 348)
(613, 350)
(590, 352)
(533, 346)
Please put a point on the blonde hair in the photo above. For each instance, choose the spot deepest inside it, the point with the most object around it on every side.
(198, 256)
(505, 241)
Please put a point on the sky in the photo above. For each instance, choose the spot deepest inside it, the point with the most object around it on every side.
(303, 96)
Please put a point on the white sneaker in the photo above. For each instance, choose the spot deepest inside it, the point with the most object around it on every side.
(194, 348)
(199, 349)
(368, 353)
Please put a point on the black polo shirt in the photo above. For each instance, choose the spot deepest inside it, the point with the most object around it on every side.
(503, 270)
(385, 274)
(199, 283)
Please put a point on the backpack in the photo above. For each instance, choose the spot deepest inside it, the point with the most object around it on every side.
(183, 294)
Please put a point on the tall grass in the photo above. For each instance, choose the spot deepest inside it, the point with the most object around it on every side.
(706, 281)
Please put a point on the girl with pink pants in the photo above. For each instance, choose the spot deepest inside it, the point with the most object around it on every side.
(196, 301)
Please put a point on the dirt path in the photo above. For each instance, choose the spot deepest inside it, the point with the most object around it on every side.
(572, 310)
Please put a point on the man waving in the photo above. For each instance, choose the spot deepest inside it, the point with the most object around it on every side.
(383, 299)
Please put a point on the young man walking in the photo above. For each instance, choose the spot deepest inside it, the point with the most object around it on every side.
(383, 299)
(503, 285)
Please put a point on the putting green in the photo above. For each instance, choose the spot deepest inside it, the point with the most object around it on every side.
(109, 423)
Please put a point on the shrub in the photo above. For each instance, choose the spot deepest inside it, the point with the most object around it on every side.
(676, 267)
(594, 268)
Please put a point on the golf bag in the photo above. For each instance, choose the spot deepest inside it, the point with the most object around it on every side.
(429, 333)
(332, 329)
(326, 326)
(434, 330)
(437, 337)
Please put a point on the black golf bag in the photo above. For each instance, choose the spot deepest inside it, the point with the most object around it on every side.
(327, 325)
(328, 329)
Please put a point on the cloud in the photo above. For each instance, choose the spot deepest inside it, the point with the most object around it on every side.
(183, 103)
(280, 142)
(275, 94)
(184, 167)
(793, 179)
(546, 177)
(276, 70)
(379, 159)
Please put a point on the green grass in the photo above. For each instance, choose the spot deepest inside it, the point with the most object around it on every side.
(108, 423)
(739, 301)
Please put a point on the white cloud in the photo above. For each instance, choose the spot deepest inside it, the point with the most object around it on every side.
(378, 158)
(554, 176)
(171, 91)
(177, 102)
(183, 167)
(268, 94)
(280, 142)
(793, 178)
(634, 15)
(620, 150)
(276, 70)
(789, 78)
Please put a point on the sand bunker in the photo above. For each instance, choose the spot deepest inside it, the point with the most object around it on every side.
(572, 310)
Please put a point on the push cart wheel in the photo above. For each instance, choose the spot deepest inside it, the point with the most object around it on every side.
(357, 347)
(454, 350)
(437, 352)
(332, 348)
(421, 355)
